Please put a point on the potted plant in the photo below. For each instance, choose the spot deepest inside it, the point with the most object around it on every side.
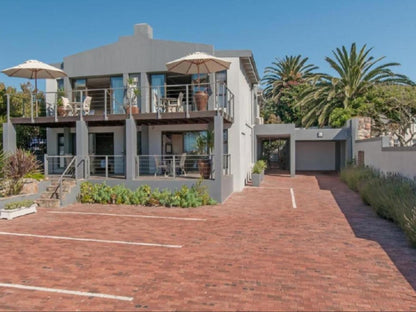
(205, 144)
(59, 102)
(258, 172)
(18, 208)
(133, 94)
(201, 100)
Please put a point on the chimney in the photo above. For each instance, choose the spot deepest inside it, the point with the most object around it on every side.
(143, 30)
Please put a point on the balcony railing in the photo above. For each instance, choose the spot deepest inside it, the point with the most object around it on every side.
(108, 166)
(56, 165)
(184, 98)
(175, 166)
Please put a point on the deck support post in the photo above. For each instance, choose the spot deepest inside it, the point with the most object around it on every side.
(292, 155)
(218, 156)
(131, 148)
(9, 138)
(82, 150)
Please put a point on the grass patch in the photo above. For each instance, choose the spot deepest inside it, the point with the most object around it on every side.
(392, 196)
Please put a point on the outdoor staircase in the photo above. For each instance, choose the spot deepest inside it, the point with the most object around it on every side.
(50, 198)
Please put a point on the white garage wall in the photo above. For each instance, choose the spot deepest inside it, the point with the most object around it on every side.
(315, 155)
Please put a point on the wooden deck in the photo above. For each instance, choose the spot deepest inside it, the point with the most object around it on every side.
(114, 120)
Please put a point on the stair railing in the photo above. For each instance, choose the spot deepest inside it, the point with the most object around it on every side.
(61, 179)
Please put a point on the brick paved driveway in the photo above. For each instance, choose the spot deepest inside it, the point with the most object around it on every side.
(255, 252)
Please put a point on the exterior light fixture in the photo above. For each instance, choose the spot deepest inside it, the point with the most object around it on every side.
(320, 134)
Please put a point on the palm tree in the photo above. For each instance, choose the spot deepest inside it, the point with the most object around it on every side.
(284, 73)
(356, 73)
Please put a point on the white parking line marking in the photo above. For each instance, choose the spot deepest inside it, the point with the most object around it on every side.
(126, 215)
(292, 193)
(91, 240)
(68, 292)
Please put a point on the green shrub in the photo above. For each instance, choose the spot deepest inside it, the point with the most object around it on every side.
(35, 175)
(18, 204)
(195, 196)
(392, 196)
(259, 166)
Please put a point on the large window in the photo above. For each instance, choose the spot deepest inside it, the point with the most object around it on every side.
(138, 98)
(157, 82)
(221, 80)
(78, 86)
(189, 141)
(117, 95)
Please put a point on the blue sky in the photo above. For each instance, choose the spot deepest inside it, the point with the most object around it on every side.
(49, 30)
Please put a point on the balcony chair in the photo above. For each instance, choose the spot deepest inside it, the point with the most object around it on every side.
(176, 106)
(157, 103)
(160, 166)
(68, 108)
(181, 167)
(86, 106)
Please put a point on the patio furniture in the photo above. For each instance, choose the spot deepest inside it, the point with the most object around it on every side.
(181, 167)
(86, 106)
(175, 105)
(67, 107)
(160, 166)
(157, 102)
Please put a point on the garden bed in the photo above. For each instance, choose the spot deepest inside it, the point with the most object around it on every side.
(18, 209)
(392, 196)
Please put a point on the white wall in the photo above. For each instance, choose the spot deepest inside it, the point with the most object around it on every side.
(315, 155)
(400, 160)
(241, 133)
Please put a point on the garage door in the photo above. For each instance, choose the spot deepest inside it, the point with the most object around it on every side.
(315, 155)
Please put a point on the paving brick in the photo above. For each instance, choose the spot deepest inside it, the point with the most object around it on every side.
(254, 252)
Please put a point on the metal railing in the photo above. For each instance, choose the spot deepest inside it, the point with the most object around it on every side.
(175, 166)
(57, 164)
(113, 166)
(184, 98)
(191, 98)
(71, 170)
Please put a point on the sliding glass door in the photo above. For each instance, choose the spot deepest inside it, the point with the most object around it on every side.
(157, 82)
(117, 95)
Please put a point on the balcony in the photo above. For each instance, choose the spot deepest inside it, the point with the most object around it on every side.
(186, 103)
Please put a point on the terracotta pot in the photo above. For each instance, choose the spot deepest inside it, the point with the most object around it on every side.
(204, 167)
(201, 99)
(61, 111)
(134, 109)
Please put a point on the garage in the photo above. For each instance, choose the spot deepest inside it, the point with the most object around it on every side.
(315, 155)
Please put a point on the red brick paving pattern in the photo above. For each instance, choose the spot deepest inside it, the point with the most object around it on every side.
(255, 252)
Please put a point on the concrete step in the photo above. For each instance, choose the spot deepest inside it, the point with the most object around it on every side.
(52, 194)
(65, 182)
(52, 188)
(48, 203)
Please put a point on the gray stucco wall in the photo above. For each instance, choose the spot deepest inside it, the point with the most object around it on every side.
(131, 54)
(401, 160)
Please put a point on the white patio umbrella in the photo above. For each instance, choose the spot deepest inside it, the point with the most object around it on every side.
(198, 63)
(33, 69)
